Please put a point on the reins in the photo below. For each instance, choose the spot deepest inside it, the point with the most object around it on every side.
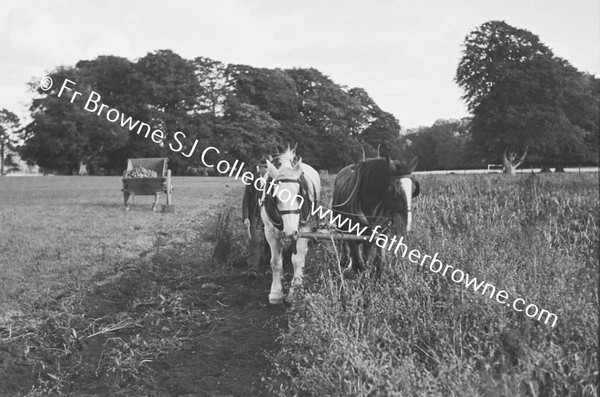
(353, 191)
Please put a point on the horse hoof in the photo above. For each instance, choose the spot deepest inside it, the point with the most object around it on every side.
(276, 299)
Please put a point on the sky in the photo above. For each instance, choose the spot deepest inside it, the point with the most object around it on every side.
(404, 53)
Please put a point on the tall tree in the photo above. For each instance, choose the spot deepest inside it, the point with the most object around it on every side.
(443, 146)
(271, 90)
(9, 122)
(335, 116)
(214, 84)
(64, 134)
(375, 127)
(517, 91)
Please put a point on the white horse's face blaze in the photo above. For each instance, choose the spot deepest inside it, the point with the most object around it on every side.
(407, 192)
(399, 202)
(400, 195)
(286, 193)
(289, 206)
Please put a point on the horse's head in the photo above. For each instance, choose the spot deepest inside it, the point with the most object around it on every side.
(287, 195)
(401, 190)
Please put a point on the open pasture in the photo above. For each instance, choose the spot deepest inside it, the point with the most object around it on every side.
(74, 264)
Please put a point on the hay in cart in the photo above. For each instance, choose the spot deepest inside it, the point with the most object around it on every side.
(145, 177)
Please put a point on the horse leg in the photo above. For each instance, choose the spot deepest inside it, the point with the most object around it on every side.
(379, 257)
(345, 257)
(298, 260)
(358, 264)
(276, 294)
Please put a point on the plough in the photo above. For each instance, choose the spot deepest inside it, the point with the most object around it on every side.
(325, 234)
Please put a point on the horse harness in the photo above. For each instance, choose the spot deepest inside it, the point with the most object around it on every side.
(274, 213)
(381, 213)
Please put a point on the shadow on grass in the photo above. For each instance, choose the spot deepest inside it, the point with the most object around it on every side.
(169, 322)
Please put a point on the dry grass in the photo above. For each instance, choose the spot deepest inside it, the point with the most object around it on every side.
(409, 333)
(413, 332)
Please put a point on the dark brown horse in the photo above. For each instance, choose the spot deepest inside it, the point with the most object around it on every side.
(376, 193)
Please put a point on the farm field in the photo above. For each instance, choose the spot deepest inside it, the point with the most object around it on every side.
(98, 301)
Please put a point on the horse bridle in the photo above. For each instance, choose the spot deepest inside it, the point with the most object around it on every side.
(296, 211)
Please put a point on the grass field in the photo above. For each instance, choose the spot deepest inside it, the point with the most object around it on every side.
(413, 332)
(74, 264)
(59, 231)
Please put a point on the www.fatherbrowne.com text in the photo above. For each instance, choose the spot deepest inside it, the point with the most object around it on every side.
(435, 265)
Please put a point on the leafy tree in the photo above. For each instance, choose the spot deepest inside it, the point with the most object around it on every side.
(170, 95)
(9, 122)
(121, 87)
(337, 117)
(65, 135)
(522, 97)
(247, 132)
(491, 52)
(160, 90)
(271, 90)
(444, 145)
(376, 127)
(214, 84)
(242, 110)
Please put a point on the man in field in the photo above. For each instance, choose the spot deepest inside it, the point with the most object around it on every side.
(260, 253)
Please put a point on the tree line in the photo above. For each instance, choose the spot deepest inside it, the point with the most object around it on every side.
(526, 104)
(244, 111)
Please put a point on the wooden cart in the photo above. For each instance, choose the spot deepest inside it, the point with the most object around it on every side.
(148, 186)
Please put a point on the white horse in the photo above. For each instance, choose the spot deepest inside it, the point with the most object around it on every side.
(285, 212)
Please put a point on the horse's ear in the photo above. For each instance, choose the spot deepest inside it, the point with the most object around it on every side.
(298, 165)
(272, 170)
(413, 164)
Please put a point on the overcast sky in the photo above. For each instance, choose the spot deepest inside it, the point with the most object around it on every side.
(403, 52)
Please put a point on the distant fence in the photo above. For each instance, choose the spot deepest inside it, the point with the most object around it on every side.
(23, 173)
(488, 171)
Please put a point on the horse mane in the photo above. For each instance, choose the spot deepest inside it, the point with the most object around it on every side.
(287, 158)
(374, 175)
(287, 162)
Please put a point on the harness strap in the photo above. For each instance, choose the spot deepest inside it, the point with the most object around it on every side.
(288, 212)
(278, 222)
(353, 190)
